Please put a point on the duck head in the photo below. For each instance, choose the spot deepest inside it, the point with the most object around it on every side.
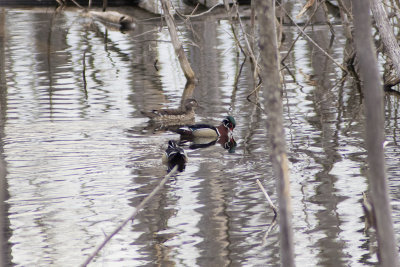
(229, 123)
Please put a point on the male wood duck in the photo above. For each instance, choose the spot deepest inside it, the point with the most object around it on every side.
(185, 113)
(175, 155)
(204, 130)
(227, 143)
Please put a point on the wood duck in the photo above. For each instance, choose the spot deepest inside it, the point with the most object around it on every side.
(225, 129)
(227, 143)
(185, 113)
(175, 155)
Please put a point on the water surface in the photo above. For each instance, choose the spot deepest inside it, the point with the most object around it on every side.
(80, 156)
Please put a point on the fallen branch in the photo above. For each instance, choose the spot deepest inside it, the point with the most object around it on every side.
(130, 218)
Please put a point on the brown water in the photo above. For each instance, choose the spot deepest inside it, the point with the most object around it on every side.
(79, 160)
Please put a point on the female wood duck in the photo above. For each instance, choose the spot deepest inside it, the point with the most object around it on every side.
(182, 114)
(175, 155)
(225, 129)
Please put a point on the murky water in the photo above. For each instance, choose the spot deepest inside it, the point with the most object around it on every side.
(80, 157)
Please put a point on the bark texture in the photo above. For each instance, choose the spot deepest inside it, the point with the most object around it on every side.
(386, 32)
(273, 102)
(372, 87)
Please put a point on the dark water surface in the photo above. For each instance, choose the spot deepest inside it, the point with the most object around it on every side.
(79, 160)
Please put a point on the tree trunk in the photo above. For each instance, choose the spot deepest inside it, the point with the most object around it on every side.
(372, 87)
(273, 102)
(185, 65)
(386, 33)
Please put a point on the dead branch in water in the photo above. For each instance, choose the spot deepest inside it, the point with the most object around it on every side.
(132, 216)
(184, 62)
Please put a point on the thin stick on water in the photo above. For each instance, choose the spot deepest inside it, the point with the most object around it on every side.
(131, 217)
(267, 197)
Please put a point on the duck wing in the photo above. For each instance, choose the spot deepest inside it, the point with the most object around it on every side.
(162, 112)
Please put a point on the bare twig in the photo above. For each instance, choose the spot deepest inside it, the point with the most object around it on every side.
(131, 217)
(343, 7)
(314, 43)
(267, 197)
(304, 27)
(249, 50)
(197, 15)
(327, 18)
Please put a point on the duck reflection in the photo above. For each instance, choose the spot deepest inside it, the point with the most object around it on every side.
(226, 142)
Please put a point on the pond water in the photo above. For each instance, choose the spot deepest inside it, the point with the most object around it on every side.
(80, 156)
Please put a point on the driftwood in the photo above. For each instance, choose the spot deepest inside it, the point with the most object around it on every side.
(375, 125)
(113, 18)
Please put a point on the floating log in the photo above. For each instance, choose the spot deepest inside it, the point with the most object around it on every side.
(113, 18)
